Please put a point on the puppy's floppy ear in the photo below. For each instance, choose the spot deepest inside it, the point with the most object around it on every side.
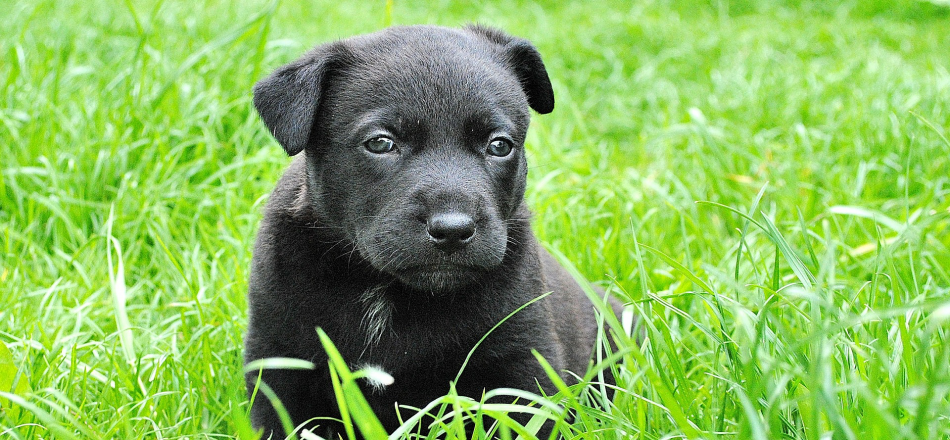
(526, 63)
(287, 100)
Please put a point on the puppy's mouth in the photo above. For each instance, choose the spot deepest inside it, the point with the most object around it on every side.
(403, 250)
(438, 278)
(440, 267)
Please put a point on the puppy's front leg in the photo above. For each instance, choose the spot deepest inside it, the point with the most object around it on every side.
(295, 389)
(292, 387)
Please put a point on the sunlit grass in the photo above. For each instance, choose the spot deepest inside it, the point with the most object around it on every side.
(767, 183)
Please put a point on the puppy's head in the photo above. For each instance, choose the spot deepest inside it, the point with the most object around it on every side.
(414, 139)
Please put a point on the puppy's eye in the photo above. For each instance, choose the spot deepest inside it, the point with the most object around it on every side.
(380, 145)
(499, 147)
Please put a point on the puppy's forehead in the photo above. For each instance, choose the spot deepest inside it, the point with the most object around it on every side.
(430, 45)
(431, 70)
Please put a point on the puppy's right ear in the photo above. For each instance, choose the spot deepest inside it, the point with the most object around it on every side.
(287, 100)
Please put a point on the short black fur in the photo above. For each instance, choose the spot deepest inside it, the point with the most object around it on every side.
(407, 257)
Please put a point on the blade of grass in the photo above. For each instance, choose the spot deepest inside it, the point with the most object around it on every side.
(118, 287)
(349, 397)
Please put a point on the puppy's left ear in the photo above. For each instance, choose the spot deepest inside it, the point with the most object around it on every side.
(288, 99)
(526, 63)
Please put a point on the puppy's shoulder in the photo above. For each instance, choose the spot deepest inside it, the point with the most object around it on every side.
(288, 216)
(290, 200)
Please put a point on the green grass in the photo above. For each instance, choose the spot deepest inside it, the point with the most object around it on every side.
(768, 183)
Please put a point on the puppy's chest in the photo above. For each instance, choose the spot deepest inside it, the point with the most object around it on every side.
(378, 322)
(395, 331)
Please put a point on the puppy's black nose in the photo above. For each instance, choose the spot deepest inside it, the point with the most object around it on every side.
(450, 231)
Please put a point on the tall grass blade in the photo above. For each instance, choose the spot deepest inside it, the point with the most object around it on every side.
(118, 288)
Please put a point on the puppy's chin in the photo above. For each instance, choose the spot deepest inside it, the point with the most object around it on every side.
(440, 280)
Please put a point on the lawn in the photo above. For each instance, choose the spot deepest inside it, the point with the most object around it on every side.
(767, 183)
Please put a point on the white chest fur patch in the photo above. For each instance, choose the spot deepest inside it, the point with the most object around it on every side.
(378, 313)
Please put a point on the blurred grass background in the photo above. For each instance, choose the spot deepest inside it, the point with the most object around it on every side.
(134, 170)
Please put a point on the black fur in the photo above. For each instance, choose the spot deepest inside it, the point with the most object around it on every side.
(355, 242)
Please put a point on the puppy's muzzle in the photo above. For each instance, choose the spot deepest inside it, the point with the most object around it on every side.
(450, 231)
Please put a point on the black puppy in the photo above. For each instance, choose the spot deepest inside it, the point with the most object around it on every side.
(402, 231)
